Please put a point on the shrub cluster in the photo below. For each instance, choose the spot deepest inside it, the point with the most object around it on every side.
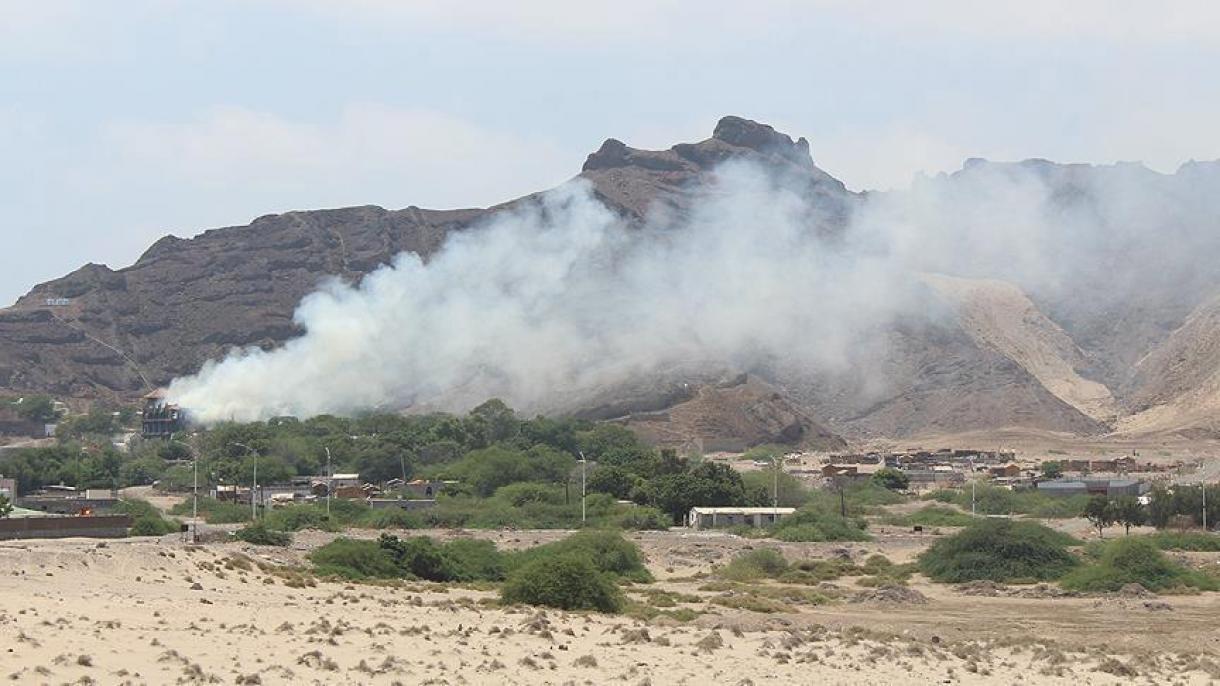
(568, 581)
(259, 534)
(1000, 550)
(1135, 561)
(146, 519)
(577, 573)
(815, 524)
(992, 500)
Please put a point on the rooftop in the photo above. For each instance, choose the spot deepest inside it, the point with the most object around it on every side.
(742, 510)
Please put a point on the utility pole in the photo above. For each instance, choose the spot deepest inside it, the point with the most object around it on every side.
(973, 500)
(330, 480)
(195, 497)
(584, 468)
(775, 488)
(253, 486)
(1204, 485)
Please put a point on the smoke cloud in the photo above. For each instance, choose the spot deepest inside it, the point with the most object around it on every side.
(561, 297)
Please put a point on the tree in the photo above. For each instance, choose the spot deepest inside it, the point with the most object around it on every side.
(892, 479)
(1052, 469)
(6, 506)
(617, 481)
(39, 408)
(706, 485)
(1129, 512)
(1100, 512)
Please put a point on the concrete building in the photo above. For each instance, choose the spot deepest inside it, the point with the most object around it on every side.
(1108, 487)
(720, 517)
(939, 476)
(408, 504)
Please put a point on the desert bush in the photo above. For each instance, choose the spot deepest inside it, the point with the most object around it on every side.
(568, 581)
(214, 511)
(762, 563)
(472, 560)
(354, 560)
(298, 517)
(607, 550)
(146, 519)
(999, 550)
(931, 515)
(1135, 561)
(644, 519)
(390, 518)
(152, 525)
(259, 534)
(993, 500)
(1184, 540)
(813, 524)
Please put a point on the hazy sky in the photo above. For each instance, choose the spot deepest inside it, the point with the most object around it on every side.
(124, 121)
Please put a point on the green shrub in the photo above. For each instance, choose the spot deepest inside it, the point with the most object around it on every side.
(354, 560)
(567, 581)
(298, 517)
(214, 511)
(146, 519)
(472, 560)
(993, 500)
(419, 557)
(812, 524)
(259, 534)
(762, 563)
(931, 515)
(1000, 550)
(608, 551)
(1135, 561)
(390, 518)
(1186, 540)
(152, 525)
(644, 519)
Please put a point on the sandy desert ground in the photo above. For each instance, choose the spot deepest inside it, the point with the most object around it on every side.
(158, 611)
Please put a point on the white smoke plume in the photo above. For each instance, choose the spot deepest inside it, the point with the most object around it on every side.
(561, 297)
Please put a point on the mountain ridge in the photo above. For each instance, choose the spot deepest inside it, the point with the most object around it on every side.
(116, 333)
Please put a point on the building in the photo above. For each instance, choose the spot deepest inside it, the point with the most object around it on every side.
(408, 504)
(719, 517)
(8, 487)
(936, 476)
(1108, 487)
(423, 488)
(159, 419)
(1008, 470)
(69, 502)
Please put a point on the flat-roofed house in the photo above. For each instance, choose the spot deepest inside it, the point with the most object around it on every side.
(720, 517)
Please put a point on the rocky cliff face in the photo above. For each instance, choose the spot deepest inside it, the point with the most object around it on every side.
(1004, 352)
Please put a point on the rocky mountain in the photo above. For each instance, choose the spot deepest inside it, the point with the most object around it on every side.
(1112, 332)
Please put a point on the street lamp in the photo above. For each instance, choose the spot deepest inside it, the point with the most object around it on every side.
(194, 486)
(254, 485)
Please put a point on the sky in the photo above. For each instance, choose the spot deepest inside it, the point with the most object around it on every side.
(122, 122)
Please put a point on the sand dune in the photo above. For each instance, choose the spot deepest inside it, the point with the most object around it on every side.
(160, 612)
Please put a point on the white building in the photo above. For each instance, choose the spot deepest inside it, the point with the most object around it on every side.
(717, 517)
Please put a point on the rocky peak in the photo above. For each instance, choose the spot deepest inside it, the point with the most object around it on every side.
(762, 138)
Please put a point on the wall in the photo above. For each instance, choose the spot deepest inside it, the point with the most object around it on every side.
(64, 527)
